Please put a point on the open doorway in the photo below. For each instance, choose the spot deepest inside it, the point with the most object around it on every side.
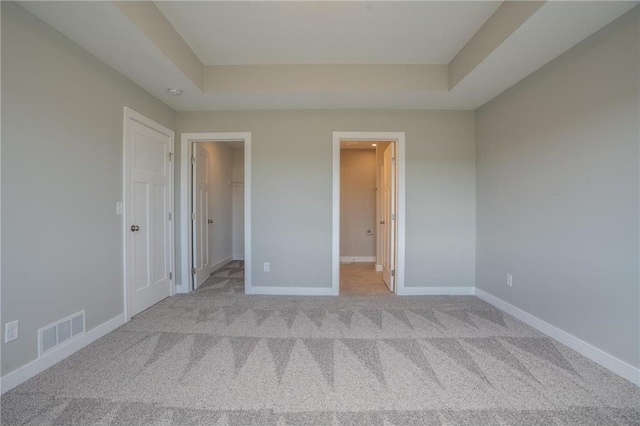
(359, 205)
(215, 202)
(217, 231)
(368, 213)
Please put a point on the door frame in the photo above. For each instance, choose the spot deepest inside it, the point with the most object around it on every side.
(131, 115)
(399, 139)
(186, 195)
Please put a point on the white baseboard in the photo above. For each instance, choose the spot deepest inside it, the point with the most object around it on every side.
(378, 268)
(66, 349)
(239, 257)
(609, 362)
(436, 291)
(291, 291)
(357, 259)
(220, 264)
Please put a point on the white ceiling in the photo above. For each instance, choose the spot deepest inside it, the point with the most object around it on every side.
(317, 32)
(249, 33)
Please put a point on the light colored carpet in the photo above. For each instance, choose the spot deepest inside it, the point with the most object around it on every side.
(361, 279)
(220, 357)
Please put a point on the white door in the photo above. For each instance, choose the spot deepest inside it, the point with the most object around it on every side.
(200, 217)
(148, 225)
(388, 217)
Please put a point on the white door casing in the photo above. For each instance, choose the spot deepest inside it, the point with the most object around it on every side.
(398, 139)
(200, 215)
(148, 230)
(388, 217)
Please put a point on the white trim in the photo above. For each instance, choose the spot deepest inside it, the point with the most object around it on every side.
(291, 291)
(399, 139)
(335, 217)
(349, 259)
(247, 212)
(129, 115)
(220, 264)
(437, 291)
(64, 350)
(185, 201)
(400, 212)
(378, 268)
(606, 360)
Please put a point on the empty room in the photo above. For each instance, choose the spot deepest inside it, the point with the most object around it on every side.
(320, 213)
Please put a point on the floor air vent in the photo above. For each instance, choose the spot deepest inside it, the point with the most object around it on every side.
(55, 334)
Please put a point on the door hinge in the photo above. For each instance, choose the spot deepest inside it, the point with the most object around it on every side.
(193, 215)
(171, 156)
(169, 216)
(170, 275)
(393, 216)
(193, 271)
(393, 161)
(393, 272)
(193, 160)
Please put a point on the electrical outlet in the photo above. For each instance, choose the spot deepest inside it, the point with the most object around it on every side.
(11, 331)
(266, 267)
(509, 280)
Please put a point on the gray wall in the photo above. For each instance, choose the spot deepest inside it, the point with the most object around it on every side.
(557, 189)
(291, 190)
(237, 202)
(62, 114)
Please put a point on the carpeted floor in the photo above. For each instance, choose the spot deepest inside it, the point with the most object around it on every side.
(361, 278)
(218, 356)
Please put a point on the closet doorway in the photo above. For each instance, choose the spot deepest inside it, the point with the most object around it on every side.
(215, 206)
(368, 213)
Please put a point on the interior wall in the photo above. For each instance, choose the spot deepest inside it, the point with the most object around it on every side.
(220, 231)
(357, 202)
(558, 191)
(292, 190)
(237, 202)
(61, 178)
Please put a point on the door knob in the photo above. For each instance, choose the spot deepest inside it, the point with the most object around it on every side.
(135, 228)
